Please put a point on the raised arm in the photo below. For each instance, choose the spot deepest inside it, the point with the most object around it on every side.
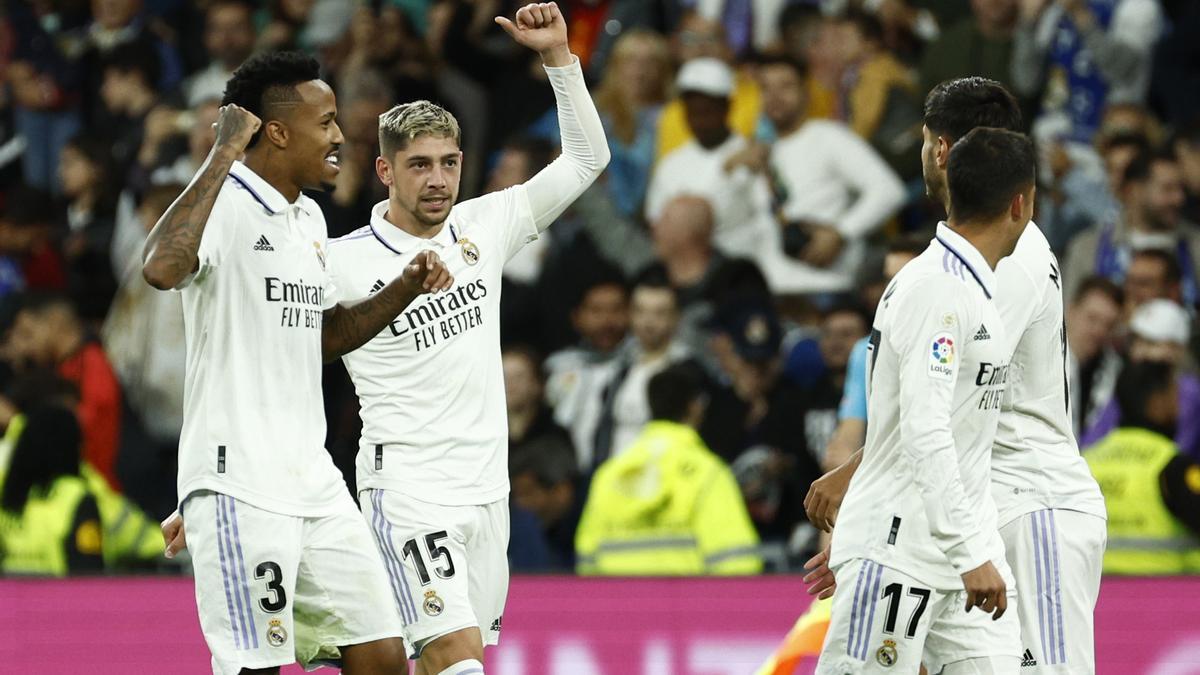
(585, 153)
(347, 327)
(171, 250)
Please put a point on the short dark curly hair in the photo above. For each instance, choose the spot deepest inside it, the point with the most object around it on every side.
(268, 79)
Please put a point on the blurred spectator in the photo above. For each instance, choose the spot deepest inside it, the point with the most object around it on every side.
(750, 25)
(45, 78)
(577, 376)
(30, 259)
(144, 340)
(630, 99)
(701, 38)
(362, 98)
(91, 188)
(1092, 318)
(1083, 55)
(47, 333)
(542, 465)
(830, 190)
(808, 37)
(704, 166)
(753, 421)
(1150, 489)
(49, 522)
(980, 45)
(1153, 274)
(879, 93)
(1159, 332)
(667, 505)
(127, 95)
(228, 41)
(1187, 149)
(156, 165)
(653, 324)
(842, 326)
(1152, 198)
(122, 24)
(519, 160)
(286, 19)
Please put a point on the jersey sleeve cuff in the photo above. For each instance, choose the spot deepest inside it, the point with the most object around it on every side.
(968, 555)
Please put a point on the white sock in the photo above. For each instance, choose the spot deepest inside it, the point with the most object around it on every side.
(468, 667)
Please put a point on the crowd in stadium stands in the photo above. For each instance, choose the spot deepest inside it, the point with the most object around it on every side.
(676, 347)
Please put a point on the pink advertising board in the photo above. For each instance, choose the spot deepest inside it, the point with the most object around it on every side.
(553, 626)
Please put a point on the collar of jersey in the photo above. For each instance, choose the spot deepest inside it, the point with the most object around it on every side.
(970, 256)
(268, 197)
(397, 240)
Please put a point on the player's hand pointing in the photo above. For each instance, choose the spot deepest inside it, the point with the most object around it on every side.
(541, 27)
(173, 535)
(235, 127)
(427, 274)
(986, 589)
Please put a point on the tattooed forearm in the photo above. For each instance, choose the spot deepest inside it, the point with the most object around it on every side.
(170, 253)
(348, 327)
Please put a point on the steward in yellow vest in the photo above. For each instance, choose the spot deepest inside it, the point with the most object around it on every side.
(1151, 491)
(667, 505)
(49, 521)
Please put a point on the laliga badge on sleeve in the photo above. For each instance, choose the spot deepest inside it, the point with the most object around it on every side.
(470, 252)
(320, 254)
(941, 357)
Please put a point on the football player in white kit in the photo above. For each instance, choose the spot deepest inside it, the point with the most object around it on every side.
(916, 543)
(433, 457)
(1051, 511)
(248, 251)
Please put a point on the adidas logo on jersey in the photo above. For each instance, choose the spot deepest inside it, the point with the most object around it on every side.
(497, 623)
(378, 286)
(1027, 660)
(262, 244)
(982, 334)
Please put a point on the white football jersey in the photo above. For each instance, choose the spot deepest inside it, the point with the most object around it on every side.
(920, 500)
(254, 420)
(431, 385)
(1036, 463)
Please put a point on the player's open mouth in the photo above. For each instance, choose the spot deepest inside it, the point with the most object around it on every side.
(435, 203)
(332, 159)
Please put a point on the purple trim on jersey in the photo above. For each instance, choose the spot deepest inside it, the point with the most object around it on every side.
(384, 241)
(454, 236)
(962, 260)
(241, 565)
(1058, 601)
(350, 237)
(854, 619)
(866, 633)
(237, 583)
(473, 671)
(234, 624)
(257, 197)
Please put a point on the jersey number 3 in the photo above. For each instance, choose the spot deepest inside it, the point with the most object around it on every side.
(437, 552)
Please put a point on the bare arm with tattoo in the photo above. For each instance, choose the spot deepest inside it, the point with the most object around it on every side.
(170, 253)
(348, 327)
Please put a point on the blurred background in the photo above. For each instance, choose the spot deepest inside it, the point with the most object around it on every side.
(765, 184)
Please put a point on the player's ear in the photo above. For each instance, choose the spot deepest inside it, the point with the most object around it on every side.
(1016, 207)
(276, 133)
(384, 170)
(942, 156)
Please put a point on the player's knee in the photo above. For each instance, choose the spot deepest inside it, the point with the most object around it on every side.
(468, 667)
(386, 657)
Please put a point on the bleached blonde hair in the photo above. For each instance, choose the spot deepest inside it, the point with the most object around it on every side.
(407, 121)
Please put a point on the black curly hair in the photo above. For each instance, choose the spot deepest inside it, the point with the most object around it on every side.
(955, 107)
(268, 79)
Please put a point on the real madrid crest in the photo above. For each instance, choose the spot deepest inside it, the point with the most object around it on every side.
(433, 604)
(470, 251)
(886, 655)
(276, 634)
(320, 253)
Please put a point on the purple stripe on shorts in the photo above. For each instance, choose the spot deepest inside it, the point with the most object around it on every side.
(395, 573)
(392, 547)
(227, 532)
(237, 539)
(1051, 632)
(852, 639)
(866, 633)
(1041, 594)
(1058, 601)
(233, 619)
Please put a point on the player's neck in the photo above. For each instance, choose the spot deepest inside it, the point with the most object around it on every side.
(987, 237)
(260, 162)
(400, 217)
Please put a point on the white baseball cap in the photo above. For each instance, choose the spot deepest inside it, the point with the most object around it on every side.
(1161, 321)
(705, 75)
